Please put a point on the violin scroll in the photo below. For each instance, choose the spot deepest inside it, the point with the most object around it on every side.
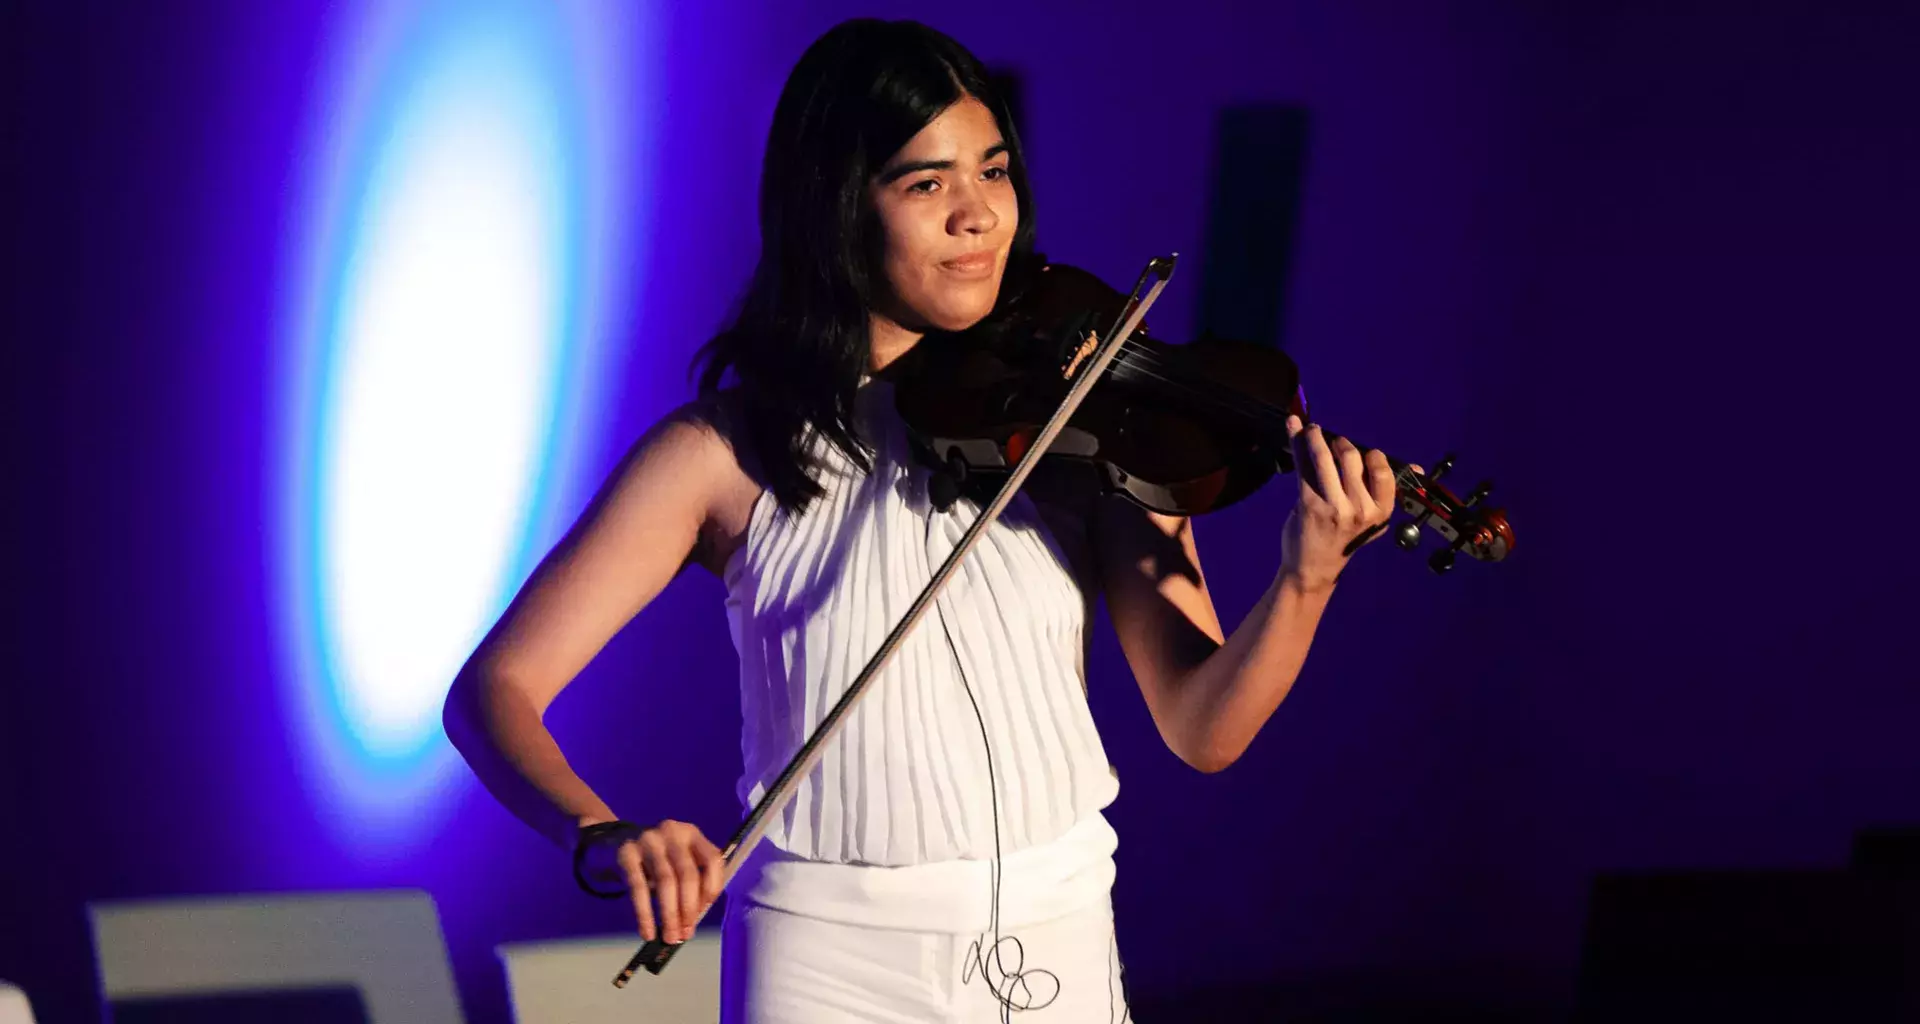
(1463, 523)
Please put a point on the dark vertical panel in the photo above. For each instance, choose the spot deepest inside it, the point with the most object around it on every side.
(1253, 213)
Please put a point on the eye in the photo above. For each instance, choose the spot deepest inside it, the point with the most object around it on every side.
(924, 186)
(995, 173)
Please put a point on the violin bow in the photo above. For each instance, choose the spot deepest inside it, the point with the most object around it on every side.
(655, 954)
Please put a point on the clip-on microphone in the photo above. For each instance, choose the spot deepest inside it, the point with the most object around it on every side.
(946, 481)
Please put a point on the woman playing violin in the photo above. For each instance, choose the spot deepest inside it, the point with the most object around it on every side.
(948, 859)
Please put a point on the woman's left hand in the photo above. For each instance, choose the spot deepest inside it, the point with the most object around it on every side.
(1345, 501)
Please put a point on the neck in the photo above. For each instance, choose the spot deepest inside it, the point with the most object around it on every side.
(889, 341)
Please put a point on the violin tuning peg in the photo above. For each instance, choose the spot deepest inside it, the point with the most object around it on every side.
(1407, 536)
(1480, 491)
(1440, 468)
(1443, 560)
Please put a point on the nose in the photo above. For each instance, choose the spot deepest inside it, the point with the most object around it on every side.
(973, 213)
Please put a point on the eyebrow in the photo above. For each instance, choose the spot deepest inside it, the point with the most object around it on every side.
(893, 174)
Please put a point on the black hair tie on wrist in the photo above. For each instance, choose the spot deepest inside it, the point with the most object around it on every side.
(590, 834)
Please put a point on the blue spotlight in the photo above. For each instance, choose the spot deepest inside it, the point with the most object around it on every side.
(450, 291)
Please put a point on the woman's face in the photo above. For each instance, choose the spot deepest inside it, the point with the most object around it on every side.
(947, 215)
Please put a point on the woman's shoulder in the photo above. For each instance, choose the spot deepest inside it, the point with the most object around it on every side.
(705, 427)
(706, 435)
(717, 420)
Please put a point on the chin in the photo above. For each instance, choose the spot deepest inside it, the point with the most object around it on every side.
(956, 322)
(961, 312)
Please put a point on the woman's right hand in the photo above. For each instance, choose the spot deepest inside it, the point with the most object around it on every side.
(671, 864)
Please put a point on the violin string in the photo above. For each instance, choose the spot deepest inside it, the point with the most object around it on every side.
(1134, 353)
(1138, 361)
(1134, 361)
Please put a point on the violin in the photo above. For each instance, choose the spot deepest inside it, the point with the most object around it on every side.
(1179, 429)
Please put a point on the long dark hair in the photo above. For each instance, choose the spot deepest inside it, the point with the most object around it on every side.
(800, 342)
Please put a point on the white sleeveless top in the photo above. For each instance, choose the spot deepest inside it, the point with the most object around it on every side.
(809, 600)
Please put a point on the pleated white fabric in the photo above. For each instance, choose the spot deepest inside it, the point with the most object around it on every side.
(810, 598)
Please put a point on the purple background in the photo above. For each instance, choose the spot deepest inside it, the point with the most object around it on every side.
(1644, 268)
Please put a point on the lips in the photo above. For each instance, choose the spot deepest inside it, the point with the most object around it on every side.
(972, 263)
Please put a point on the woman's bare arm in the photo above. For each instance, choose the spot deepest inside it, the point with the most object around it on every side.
(1210, 694)
(641, 529)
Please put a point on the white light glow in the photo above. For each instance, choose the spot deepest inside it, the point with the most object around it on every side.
(449, 325)
(457, 263)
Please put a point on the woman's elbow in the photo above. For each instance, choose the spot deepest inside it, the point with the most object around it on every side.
(1203, 752)
(1210, 760)
(462, 713)
(456, 713)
